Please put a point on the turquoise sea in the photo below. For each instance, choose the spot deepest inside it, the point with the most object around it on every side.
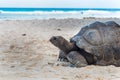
(59, 13)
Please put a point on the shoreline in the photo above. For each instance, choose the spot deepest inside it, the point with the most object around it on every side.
(61, 18)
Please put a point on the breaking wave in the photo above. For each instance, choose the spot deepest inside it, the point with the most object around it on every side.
(58, 14)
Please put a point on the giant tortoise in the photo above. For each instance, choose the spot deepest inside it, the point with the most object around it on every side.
(96, 44)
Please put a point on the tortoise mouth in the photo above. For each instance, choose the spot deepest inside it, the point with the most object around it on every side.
(54, 40)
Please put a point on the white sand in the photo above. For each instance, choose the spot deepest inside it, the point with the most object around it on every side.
(33, 57)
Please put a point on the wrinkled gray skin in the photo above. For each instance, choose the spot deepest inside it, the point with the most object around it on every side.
(102, 40)
(69, 52)
(97, 43)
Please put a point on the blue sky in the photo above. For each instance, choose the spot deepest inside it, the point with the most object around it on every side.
(61, 3)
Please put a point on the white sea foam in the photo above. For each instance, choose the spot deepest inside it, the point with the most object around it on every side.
(38, 12)
(58, 14)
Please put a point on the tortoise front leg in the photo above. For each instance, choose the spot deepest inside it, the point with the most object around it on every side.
(62, 56)
(77, 59)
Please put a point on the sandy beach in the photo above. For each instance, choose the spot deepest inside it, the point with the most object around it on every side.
(27, 54)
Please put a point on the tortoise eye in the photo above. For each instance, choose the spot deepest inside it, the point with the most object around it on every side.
(92, 37)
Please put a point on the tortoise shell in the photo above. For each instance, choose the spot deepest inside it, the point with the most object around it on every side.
(101, 40)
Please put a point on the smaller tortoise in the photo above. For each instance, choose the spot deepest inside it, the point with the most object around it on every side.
(97, 43)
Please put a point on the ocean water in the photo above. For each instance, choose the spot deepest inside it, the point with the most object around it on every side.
(59, 13)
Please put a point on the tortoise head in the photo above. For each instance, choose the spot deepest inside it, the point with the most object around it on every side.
(56, 40)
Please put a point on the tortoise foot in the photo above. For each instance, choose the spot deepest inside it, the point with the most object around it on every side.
(62, 56)
(77, 59)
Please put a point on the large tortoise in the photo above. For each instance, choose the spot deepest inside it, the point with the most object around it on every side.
(97, 43)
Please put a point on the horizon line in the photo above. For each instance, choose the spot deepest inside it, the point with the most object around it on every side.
(62, 7)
